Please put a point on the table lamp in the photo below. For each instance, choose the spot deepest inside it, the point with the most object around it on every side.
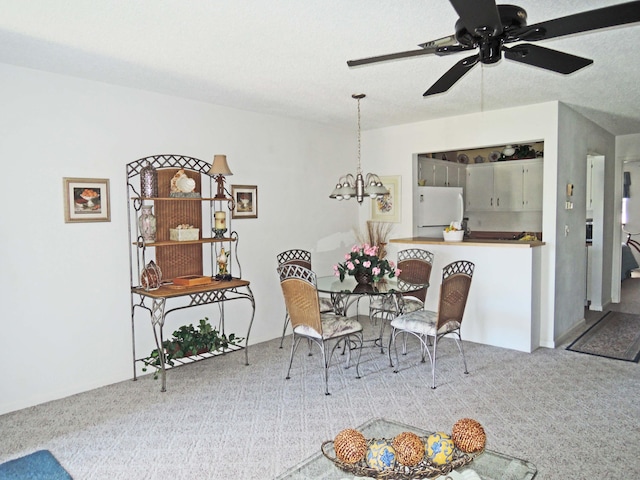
(218, 170)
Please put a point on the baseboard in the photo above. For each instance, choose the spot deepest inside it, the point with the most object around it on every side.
(571, 333)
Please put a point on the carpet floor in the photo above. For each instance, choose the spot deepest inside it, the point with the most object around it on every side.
(616, 335)
(573, 416)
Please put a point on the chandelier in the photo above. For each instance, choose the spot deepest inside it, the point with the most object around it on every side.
(359, 187)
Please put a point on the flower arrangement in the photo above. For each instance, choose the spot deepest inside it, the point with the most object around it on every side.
(364, 260)
(453, 227)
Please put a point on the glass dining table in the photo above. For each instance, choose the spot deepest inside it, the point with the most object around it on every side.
(345, 293)
(341, 291)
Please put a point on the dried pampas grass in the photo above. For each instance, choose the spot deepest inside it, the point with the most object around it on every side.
(377, 233)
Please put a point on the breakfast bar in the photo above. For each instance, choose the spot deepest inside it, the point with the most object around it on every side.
(503, 308)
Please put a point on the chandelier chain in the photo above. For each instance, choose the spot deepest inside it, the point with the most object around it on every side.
(359, 164)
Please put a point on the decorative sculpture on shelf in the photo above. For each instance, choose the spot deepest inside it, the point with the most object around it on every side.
(222, 259)
(182, 185)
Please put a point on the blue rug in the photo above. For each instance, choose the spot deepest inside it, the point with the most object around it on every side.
(40, 465)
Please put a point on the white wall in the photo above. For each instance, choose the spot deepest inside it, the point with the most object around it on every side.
(65, 301)
(390, 151)
(580, 138)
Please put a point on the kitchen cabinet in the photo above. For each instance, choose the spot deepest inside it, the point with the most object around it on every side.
(504, 186)
(479, 191)
(532, 185)
(440, 173)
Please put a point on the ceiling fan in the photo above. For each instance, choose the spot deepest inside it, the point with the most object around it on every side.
(487, 27)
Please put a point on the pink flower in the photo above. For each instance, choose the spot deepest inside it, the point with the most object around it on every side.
(367, 264)
(391, 264)
(350, 266)
(355, 249)
(371, 251)
(337, 273)
(375, 271)
(347, 256)
(397, 272)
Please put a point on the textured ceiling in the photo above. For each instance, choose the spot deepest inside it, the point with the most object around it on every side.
(288, 57)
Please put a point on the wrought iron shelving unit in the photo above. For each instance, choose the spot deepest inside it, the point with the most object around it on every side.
(181, 258)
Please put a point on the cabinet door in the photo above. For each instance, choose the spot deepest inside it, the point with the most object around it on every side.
(532, 183)
(507, 186)
(456, 175)
(425, 172)
(479, 188)
(440, 175)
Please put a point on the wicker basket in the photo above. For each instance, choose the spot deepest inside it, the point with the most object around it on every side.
(424, 469)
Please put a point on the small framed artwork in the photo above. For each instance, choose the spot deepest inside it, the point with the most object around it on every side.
(387, 208)
(245, 201)
(86, 200)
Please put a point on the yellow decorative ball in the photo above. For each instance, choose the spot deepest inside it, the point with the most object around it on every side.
(381, 455)
(468, 435)
(440, 448)
(350, 446)
(409, 448)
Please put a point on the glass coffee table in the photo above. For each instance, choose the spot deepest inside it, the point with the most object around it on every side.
(489, 465)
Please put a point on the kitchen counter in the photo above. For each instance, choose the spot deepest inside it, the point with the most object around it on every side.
(470, 242)
(503, 308)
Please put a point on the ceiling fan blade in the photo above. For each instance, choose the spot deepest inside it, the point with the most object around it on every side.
(479, 16)
(428, 48)
(546, 58)
(591, 20)
(455, 73)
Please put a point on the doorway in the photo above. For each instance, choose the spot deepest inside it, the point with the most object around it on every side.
(595, 218)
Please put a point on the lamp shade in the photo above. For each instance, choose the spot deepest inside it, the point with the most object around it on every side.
(220, 166)
(373, 190)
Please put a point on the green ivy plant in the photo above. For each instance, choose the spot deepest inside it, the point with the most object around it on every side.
(189, 340)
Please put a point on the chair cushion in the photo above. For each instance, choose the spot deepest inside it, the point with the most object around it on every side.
(422, 322)
(332, 326)
(325, 305)
(411, 304)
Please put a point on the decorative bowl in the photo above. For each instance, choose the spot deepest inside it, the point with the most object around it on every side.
(453, 235)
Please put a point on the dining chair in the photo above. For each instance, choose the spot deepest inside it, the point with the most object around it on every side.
(302, 258)
(327, 330)
(415, 266)
(428, 326)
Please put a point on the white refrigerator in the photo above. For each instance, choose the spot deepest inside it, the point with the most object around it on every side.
(434, 208)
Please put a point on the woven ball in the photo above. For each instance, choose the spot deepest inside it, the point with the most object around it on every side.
(409, 448)
(468, 435)
(440, 448)
(350, 446)
(381, 455)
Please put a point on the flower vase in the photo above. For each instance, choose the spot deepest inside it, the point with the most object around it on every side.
(147, 224)
(363, 278)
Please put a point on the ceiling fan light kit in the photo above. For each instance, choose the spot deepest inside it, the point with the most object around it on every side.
(487, 27)
(358, 186)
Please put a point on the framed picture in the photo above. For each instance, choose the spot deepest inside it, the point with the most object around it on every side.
(387, 208)
(86, 200)
(245, 199)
